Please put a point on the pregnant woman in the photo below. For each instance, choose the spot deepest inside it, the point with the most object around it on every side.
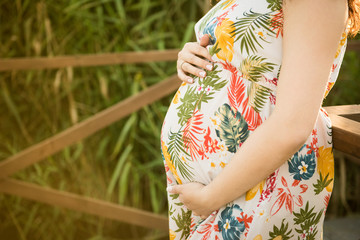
(247, 147)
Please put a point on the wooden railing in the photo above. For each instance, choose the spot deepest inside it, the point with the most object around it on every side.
(346, 134)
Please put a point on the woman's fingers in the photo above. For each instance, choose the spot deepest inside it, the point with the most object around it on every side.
(183, 77)
(205, 40)
(196, 61)
(188, 68)
(199, 50)
(193, 59)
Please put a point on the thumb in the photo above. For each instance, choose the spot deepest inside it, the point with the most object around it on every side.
(205, 40)
(174, 189)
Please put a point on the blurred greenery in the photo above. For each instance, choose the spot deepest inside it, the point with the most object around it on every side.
(121, 163)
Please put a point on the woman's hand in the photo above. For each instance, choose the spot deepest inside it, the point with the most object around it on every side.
(190, 61)
(194, 197)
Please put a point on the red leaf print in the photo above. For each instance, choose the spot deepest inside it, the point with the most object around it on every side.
(252, 117)
(285, 196)
(295, 183)
(236, 90)
(289, 205)
(299, 200)
(208, 228)
(278, 204)
(304, 187)
(326, 201)
(272, 81)
(206, 232)
(236, 96)
(192, 133)
(333, 67)
(244, 218)
(277, 23)
(281, 190)
(283, 181)
(210, 145)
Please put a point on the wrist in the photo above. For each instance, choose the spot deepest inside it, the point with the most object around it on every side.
(212, 198)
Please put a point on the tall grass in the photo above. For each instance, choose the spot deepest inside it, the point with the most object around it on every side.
(121, 163)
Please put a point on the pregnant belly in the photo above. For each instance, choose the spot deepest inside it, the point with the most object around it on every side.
(202, 130)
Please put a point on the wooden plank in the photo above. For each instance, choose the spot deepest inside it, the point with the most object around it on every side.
(355, 117)
(346, 135)
(343, 109)
(87, 60)
(104, 58)
(84, 204)
(89, 126)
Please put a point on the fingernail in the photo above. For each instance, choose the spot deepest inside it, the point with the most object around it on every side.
(209, 67)
(202, 74)
(190, 80)
(169, 188)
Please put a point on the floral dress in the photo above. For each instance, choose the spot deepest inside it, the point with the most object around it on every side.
(208, 121)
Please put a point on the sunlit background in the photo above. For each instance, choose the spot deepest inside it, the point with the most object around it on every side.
(122, 163)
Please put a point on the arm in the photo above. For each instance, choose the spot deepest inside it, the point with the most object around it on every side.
(312, 31)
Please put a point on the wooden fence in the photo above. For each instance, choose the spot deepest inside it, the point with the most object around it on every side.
(346, 133)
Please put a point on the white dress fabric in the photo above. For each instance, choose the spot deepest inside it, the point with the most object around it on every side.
(208, 121)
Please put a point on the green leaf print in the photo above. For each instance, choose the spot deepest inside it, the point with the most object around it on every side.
(322, 183)
(274, 5)
(212, 80)
(201, 92)
(253, 67)
(183, 222)
(176, 150)
(246, 30)
(233, 129)
(281, 233)
(187, 106)
(308, 220)
(258, 96)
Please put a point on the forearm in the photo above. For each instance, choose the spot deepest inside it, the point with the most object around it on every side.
(309, 46)
(267, 148)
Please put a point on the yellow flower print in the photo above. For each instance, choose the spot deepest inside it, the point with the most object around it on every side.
(176, 97)
(252, 192)
(328, 88)
(169, 162)
(222, 164)
(325, 165)
(278, 238)
(172, 235)
(258, 237)
(342, 42)
(224, 40)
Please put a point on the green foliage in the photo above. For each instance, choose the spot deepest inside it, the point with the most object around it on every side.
(233, 129)
(183, 223)
(322, 183)
(177, 149)
(275, 4)
(282, 231)
(307, 219)
(121, 163)
(198, 94)
(246, 27)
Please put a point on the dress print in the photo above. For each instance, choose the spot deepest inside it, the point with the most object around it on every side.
(208, 121)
